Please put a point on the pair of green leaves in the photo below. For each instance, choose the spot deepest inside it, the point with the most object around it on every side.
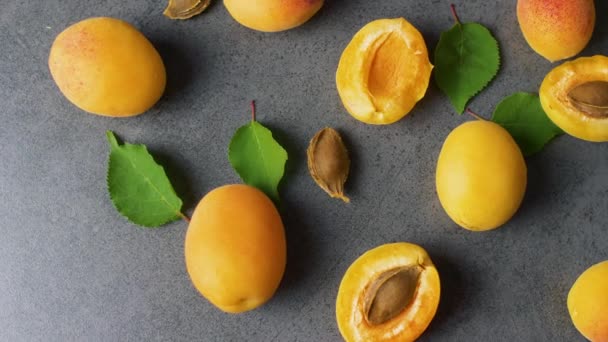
(141, 191)
(467, 58)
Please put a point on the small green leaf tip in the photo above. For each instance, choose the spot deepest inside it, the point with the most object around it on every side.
(112, 138)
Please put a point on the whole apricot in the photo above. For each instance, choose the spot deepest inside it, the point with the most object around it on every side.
(235, 248)
(481, 175)
(556, 29)
(384, 71)
(272, 15)
(575, 97)
(588, 303)
(107, 67)
(390, 293)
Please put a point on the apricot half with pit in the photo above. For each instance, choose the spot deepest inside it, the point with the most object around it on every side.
(384, 71)
(575, 97)
(390, 293)
(481, 175)
(588, 303)
(235, 248)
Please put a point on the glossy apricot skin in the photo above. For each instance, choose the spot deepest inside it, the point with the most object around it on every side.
(556, 29)
(384, 71)
(235, 248)
(107, 67)
(481, 175)
(409, 324)
(272, 15)
(588, 303)
(554, 97)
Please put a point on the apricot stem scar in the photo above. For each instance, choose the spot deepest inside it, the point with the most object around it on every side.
(184, 217)
(475, 115)
(454, 14)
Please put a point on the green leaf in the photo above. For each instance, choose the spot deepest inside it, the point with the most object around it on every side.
(258, 158)
(466, 60)
(522, 115)
(139, 187)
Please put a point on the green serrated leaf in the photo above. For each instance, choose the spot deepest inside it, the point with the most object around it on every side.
(258, 158)
(522, 115)
(466, 60)
(139, 187)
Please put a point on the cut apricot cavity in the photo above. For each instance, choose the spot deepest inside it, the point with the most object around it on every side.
(390, 293)
(575, 97)
(384, 71)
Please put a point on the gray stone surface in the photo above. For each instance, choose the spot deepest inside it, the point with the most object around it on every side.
(72, 269)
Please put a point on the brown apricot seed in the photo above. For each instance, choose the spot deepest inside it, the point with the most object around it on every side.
(185, 9)
(328, 162)
(591, 98)
(391, 293)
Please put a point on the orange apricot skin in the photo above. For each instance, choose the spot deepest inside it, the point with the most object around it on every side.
(408, 325)
(105, 66)
(272, 15)
(556, 29)
(235, 248)
(588, 303)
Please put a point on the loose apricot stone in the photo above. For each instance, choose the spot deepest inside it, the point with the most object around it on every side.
(384, 71)
(107, 67)
(235, 248)
(588, 303)
(390, 293)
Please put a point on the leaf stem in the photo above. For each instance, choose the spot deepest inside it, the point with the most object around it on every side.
(252, 110)
(184, 217)
(475, 115)
(454, 14)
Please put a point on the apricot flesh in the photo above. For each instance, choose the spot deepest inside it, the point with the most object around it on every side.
(235, 248)
(384, 71)
(272, 15)
(575, 97)
(481, 175)
(107, 67)
(556, 29)
(588, 303)
(390, 293)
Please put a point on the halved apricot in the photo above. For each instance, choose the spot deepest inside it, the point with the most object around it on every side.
(575, 97)
(390, 293)
(383, 71)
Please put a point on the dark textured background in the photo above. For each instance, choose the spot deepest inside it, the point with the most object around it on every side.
(72, 269)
